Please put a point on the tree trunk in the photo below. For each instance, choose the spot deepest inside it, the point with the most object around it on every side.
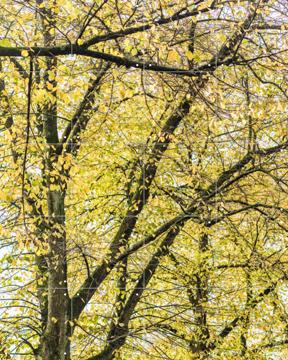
(198, 297)
(54, 341)
(53, 344)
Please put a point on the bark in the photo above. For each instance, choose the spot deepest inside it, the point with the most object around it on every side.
(54, 342)
(198, 296)
(120, 329)
(138, 202)
(141, 195)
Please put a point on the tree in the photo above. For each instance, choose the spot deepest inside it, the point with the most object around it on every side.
(144, 179)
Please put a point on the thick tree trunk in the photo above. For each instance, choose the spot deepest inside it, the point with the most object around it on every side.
(53, 344)
(54, 341)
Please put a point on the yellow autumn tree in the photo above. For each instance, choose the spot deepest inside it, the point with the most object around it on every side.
(143, 179)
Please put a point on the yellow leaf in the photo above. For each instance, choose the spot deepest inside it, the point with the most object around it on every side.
(173, 56)
(5, 42)
(5, 196)
(49, 86)
(189, 55)
(222, 38)
(204, 5)
(24, 53)
(66, 166)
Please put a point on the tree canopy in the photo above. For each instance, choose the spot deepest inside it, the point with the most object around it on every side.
(144, 179)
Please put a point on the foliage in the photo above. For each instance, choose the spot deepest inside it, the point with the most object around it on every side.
(143, 179)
